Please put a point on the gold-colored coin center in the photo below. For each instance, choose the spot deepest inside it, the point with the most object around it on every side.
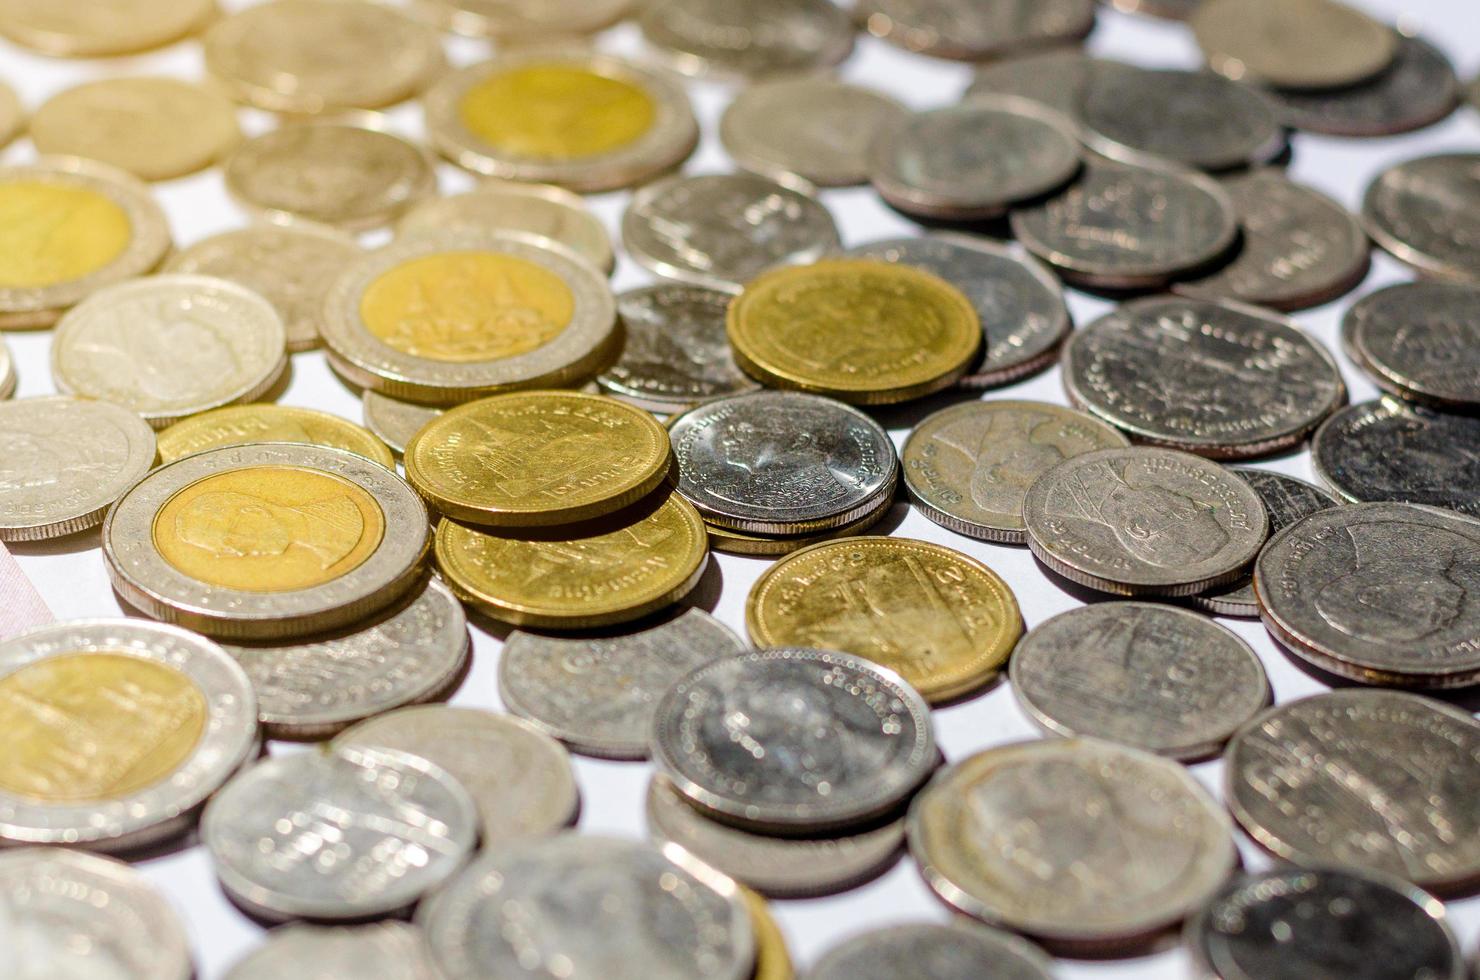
(51, 234)
(557, 112)
(885, 323)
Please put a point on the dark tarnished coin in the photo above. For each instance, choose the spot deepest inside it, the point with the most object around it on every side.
(1387, 450)
(934, 952)
(1296, 44)
(973, 31)
(1420, 341)
(1426, 212)
(758, 37)
(1056, 77)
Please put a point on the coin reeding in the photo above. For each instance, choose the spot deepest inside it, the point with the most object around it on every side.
(781, 546)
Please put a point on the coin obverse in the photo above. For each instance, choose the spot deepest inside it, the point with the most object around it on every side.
(975, 32)
(814, 128)
(1388, 450)
(959, 951)
(758, 38)
(1426, 213)
(1420, 341)
(380, 950)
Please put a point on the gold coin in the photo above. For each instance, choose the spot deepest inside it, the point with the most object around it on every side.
(240, 425)
(944, 622)
(772, 960)
(97, 28)
(12, 114)
(557, 112)
(734, 542)
(538, 458)
(861, 331)
(613, 571)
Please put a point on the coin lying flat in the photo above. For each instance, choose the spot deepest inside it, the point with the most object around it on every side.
(1387, 450)
(1056, 77)
(731, 542)
(1072, 841)
(1420, 341)
(975, 32)
(503, 205)
(1418, 89)
(763, 37)
(1169, 9)
(241, 425)
(1294, 44)
(1426, 212)
(12, 114)
(395, 422)
(88, 29)
(1372, 780)
(810, 127)
(382, 949)
(522, 22)
(118, 731)
(941, 952)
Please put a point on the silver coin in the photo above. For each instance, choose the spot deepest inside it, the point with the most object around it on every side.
(1020, 303)
(520, 778)
(1144, 521)
(1056, 77)
(590, 908)
(70, 916)
(7, 372)
(347, 833)
(597, 694)
(722, 230)
(1386, 450)
(759, 37)
(381, 951)
(394, 421)
(1426, 212)
(969, 30)
(794, 740)
(675, 352)
(782, 462)
(1374, 780)
(934, 952)
(1153, 677)
(1219, 379)
(1420, 341)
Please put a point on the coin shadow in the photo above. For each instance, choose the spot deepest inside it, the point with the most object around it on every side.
(998, 228)
(1464, 698)
(67, 544)
(910, 414)
(279, 386)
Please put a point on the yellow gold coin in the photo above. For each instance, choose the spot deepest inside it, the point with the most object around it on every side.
(556, 112)
(861, 331)
(772, 960)
(98, 28)
(944, 622)
(240, 425)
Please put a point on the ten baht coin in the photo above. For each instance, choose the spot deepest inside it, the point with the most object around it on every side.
(755, 39)
(242, 425)
(385, 950)
(1426, 213)
(1389, 450)
(116, 731)
(1294, 44)
(266, 541)
(394, 422)
(89, 29)
(944, 952)
(1420, 341)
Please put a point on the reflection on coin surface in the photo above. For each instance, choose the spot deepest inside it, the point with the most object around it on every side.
(1387, 450)
(503, 205)
(975, 31)
(958, 951)
(815, 128)
(1417, 90)
(1295, 44)
(1149, 676)
(89, 29)
(1056, 77)
(520, 20)
(1377, 780)
(387, 950)
(759, 37)
(239, 425)
(1426, 212)
(1420, 341)
(395, 422)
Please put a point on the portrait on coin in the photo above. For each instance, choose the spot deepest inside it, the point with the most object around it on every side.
(1399, 584)
(1012, 451)
(1153, 523)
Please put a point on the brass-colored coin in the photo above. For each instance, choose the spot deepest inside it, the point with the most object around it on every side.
(614, 571)
(12, 114)
(394, 422)
(733, 542)
(99, 28)
(862, 331)
(243, 425)
(154, 128)
(944, 622)
(1294, 44)
(515, 21)
(772, 959)
(538, 458)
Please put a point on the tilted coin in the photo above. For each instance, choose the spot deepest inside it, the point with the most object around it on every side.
(521, 20)
(8, 379)
(794, 740)
(938, 952)
(1387, 450)
(64, 461)
(1426, 213)
(723, 230)
(170, 346)
(1375, 780)
(1153, 677)
(1420, 341)
(1073, 841)
(1218, 379)
(597, 694)
(242, 425)
(762, 37)
(772, 958)
(974, 31)
(1294, 44)
(343, 833)
(1144, 521)
(89, 29)
(12, 114)
(519, 778)
(387, 950)
(1056, 77)
(117, 731)
(1418, 89)
(395, 422)
(266, 541)
(584, 120)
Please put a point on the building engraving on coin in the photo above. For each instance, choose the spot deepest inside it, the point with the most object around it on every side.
(1388, 450)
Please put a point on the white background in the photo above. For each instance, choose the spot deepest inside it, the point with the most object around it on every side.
(70, 574)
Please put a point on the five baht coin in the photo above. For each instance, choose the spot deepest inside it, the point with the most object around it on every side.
(379, 949)
(118, 731)
(266, 541)
(394, 422)
(962, 948)
(760, 38)
(522, 23)
(1389, 450)
(242, 425)
(1420, 341)
(976, 32)
(88, 29)
(1426, 213)
(1293, 44)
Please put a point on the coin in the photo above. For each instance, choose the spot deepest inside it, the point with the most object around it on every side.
(1386, 450)
(1056, 77)
(338, 174)
(12, 114)
(772, 959)
(810, 127)
(584, 120)
(1420, 341)
(597, 694)
(1294, 44)
(8, 377)
(89, 29)
(170, 346)
(723, 230)
(395, 422)
(514, 21)
(520, 778)
(1071, 841)
(968, 467)
(944, 621)
(794, 741)
(1144, 521)
(1019, 302)
(290, 267)
(782, 463)
(312, 689)
(266, 541)
(464, 314)
(538, 458)
(1170, 9)
(601, 907)
(1364, 779)
(762, 37)
(1426, 213)
(381, 949)
(733, 542)
(975, 32)
(1150, 676)
(1219, 379)
(118, 730)
(601, 574)
(945, 952)
(77, 915)
(63, 461)
(241, 425)
(859, 330)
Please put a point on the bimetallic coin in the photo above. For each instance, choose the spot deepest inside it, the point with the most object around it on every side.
(118, 731)
(1418, 89)
(242, 425)
(503, 205)
(1371, 780)
(971, 31)
(89, 29)
(1420, 341)
(522, 21)
(1293, 44)
(1426, 213)
(940, 952)
(395, 422)
(761, 37)
(1387, 450)
(1056, 77)
(380, 951)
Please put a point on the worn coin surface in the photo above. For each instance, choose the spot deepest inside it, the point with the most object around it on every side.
(379, 950)
(761, 37)
(1388, 450)
(811, 127)
(732, 542)
(1294, 44)
(971, 31)
(89, 29)
(793, 740)
(520, 21)
(1420, 341)
(240, 425)
(1376, 780)
(958, 951)
(1426, 212)
(1418, 89)
(1056, 77)
(395, 422)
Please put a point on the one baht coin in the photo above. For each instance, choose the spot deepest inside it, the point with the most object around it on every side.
(1420, 341)
(1426, 213)
(267, 541)
(1389, 450)
(1293, 44)
(964, 949)
(386, 949)
(242, 425)
(88, 29)
(976, 32)
(447, 318)
(522, 23)
(395, 422)
(118, 731)
(747, 40)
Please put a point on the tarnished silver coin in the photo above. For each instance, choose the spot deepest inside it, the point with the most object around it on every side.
(589, 907)
(1388, 450)
(928, 951)
(759, 37)
(1218, 379)
(777, 462)
(1144, 521)
(1056, 77)
(381, 951)
(1295, 44)
(597, 694)
(722, 230)
(1150, 676)
(394, 421)
(794, 740)
(1420, 341)
(1374, 780)
(972, 31)
(338, 834)
(1426, 212)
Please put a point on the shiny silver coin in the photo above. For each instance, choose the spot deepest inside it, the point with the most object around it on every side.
(1374, 780)
(794, 740)
(597, 694)
(934, 952)
(971, 31)
(349, 833)
(1056, 77)
(382, 951)
(395, 422)
(1426, 212)
(759, 37)
(1420, 341)
(1388, 450)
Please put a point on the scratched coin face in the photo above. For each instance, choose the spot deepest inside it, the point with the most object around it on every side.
(1389, 450)
(1426, 212)
(955, 952)
(1420, 341)
(762, 37)
(383, 949)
